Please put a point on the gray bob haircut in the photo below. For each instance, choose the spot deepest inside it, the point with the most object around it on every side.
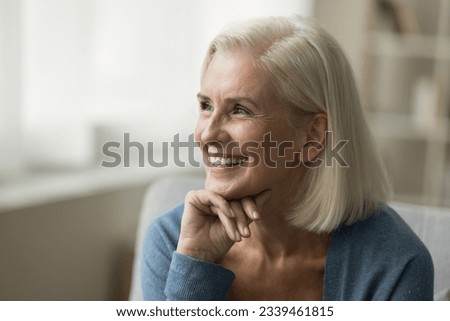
(312, 74)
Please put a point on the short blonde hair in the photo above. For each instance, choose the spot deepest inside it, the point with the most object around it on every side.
(312, 74)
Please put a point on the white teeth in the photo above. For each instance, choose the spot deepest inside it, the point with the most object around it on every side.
(221, 161)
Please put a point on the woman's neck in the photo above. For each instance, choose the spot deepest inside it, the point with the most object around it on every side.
(277, 237)
(280, 239)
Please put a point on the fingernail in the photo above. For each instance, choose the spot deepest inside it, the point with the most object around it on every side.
(238, 236)
(255, 215)
(246, 231)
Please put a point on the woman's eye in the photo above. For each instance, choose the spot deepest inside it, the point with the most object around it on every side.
(206, 107)
(240, 111)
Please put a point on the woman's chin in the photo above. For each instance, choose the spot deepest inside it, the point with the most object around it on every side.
(226, 190)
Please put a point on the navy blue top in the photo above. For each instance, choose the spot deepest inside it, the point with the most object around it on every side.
(379, 258)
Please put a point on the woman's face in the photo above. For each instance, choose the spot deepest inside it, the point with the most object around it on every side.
(247, 144)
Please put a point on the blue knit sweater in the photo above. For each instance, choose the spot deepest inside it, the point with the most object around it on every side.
(379, 258)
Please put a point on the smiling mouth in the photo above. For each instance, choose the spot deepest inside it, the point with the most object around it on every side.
(227, 161)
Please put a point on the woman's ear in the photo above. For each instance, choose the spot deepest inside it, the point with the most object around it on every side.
(316, 130)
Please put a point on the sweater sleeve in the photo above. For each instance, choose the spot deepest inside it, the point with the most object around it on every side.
(378, 259)
(416, 282)
(190, 279)
(168, 275)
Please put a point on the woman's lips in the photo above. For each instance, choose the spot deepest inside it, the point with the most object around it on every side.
(217, 157)
(224, 161)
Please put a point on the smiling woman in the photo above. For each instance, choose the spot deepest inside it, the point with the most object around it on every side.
(268, 225)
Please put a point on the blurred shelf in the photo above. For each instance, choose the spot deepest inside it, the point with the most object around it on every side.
(404, 53)
(403, 126)
(387, 44)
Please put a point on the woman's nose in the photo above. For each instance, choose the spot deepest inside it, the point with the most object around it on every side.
(213, 129)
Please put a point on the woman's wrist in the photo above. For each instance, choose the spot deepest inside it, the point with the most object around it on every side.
(201, 255)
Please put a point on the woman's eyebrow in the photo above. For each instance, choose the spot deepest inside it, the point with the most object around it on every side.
(200, 96)
(241, 99)
(236, 99)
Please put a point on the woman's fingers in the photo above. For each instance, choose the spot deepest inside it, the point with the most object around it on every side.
(235, 216)
(241, 219)
(250, 208)
(252, 205)
(228, 223)
(205, 200)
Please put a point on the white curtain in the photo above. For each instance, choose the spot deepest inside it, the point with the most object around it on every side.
(89, 70)
(10, 87)
(56, 69)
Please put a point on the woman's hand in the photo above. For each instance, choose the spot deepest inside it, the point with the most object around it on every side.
(211, 224)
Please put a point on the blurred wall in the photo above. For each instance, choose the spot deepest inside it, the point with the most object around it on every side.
(68, 250)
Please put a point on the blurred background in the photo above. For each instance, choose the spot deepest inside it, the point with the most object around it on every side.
(75, 74)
